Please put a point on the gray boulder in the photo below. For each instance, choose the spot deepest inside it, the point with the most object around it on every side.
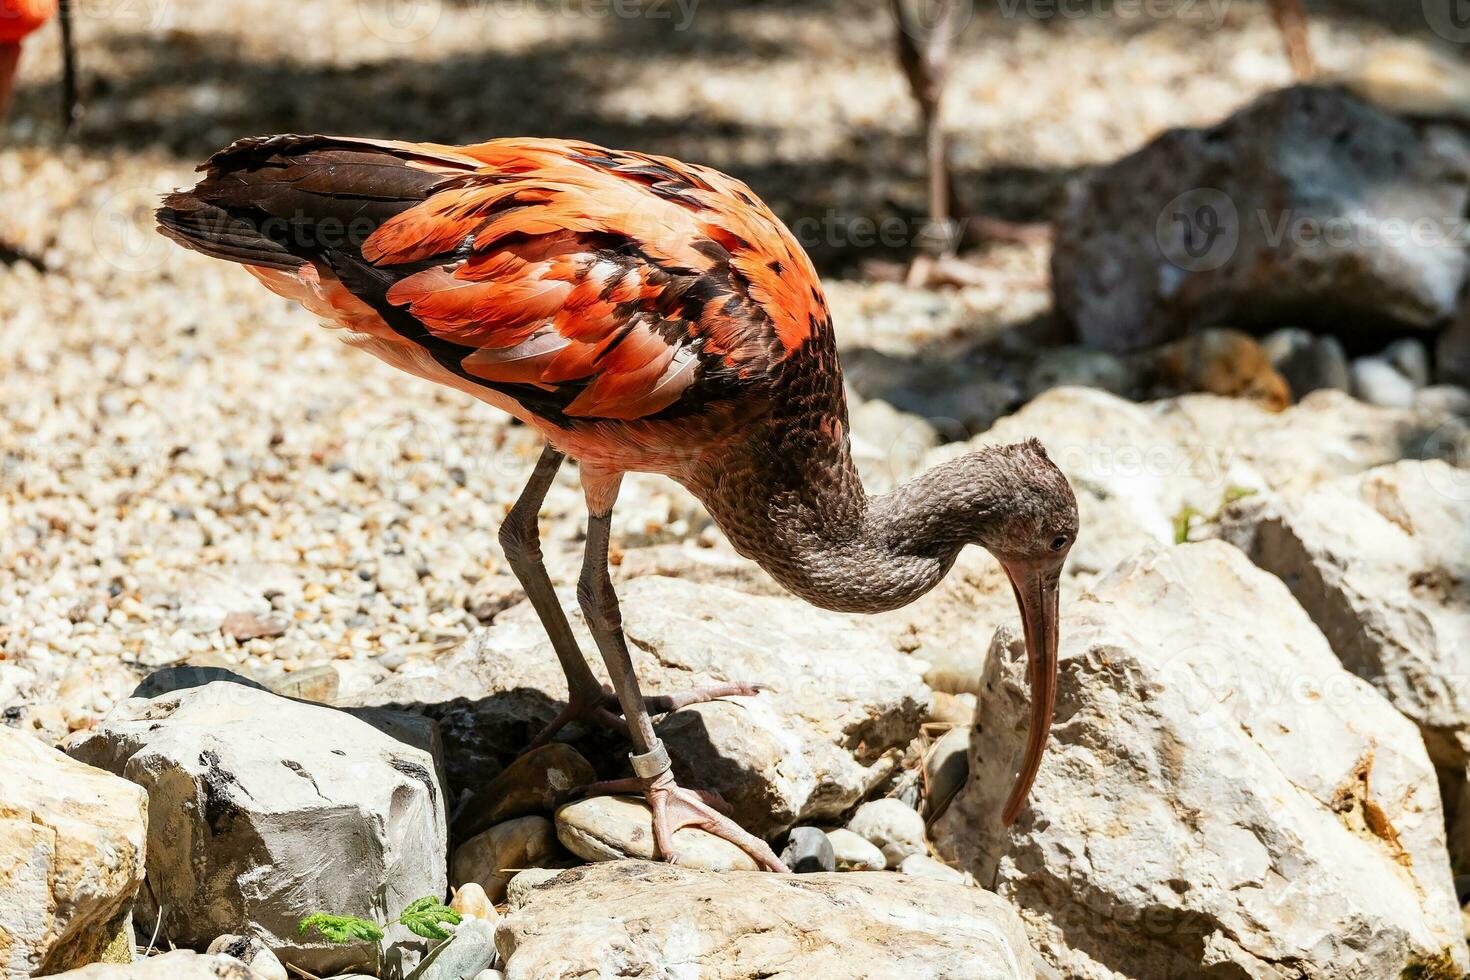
(263, 810)
(1306, 206)
(632, 918)
(1219, 797)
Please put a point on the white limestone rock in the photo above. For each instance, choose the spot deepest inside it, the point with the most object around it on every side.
(72, 842)
(1218, 796)
(634, 918)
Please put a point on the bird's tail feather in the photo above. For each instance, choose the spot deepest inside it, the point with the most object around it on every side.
(212, 230)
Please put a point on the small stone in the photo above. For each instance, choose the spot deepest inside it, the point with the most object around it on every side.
(470, 900)
(1376, 382)
(523, 886)
(533, 783)
(952, 709)
(470, 950)
(493, 595)
(252, 952)
(1410, 358)
(854, 853)
(1307, 362)
(491, 858)
(320, 684)
(946, 767)
(924, 866)
(243, 626)
(891, 826)
(489, 975)
(808, 850)
(1079, 366)
(610, 828)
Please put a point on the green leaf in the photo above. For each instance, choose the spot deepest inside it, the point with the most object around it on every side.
(426, 917)
(342, 928)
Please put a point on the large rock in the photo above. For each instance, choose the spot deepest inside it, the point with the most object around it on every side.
(632, 918)
(1219, 797)
(181, 964)
(263, 810)
(1378, 561)
(71, 857)
(807, 749)
(1307, 206)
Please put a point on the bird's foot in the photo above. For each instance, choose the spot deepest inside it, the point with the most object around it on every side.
(592, 705)
(602, 707)
(675, 808)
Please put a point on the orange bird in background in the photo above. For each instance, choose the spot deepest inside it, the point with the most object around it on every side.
(18, 20)
(645, 315)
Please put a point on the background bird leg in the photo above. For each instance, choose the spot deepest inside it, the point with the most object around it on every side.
(71, 102)
(9, 64)
(925, 43)
(1291, 21)
(673, 807)
(520, 538)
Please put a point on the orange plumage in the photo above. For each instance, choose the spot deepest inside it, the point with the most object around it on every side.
(582, 284)
(20, 18)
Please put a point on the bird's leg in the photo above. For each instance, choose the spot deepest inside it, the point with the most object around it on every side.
(1291, 21)
(71, 103)
(520, 538)
(9, 64)
(673, 806)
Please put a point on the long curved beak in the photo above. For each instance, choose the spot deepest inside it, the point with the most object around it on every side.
(1037, 585)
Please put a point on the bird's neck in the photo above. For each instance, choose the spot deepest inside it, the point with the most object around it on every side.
(795, 505)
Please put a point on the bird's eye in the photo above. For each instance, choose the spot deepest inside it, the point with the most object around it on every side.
(1059, 542)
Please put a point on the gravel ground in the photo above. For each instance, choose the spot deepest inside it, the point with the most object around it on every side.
(179, 445)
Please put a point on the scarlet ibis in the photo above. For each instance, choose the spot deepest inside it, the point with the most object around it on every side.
(926, 33)
(645, 315)
(18, 20)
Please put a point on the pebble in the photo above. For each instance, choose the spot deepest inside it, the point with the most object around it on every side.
(808, 850)
(465, 954)
(1079, 366)
(533, 783)
(470, 900)
(854, 853)
(946, 768)
(1308, 362)
(891, 826)
(1377, 382)
(610, 828)
(252, 952)
(523, 885)
(1410, 358)
(492, 858)
(952, 709)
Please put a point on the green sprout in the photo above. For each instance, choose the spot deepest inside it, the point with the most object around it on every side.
(425, 917)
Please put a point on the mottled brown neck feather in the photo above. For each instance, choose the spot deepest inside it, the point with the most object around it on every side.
(792, 501)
